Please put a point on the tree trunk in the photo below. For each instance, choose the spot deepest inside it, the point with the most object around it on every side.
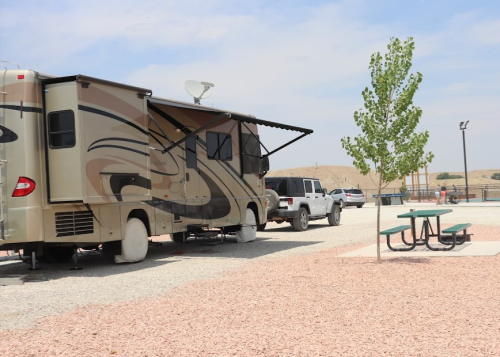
(379, 260)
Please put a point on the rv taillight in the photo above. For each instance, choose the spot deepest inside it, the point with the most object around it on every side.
(20, 76)
(24, 187)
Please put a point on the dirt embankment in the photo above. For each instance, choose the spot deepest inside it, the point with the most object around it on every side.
(346, 176)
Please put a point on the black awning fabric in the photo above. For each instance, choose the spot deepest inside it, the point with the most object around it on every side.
(236, 116)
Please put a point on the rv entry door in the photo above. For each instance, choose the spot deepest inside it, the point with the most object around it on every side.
(63, 143)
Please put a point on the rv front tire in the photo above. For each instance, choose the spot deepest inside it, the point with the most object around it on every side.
(135, 244)
(248, 230)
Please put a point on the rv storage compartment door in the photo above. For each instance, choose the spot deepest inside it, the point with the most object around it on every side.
(63, 142)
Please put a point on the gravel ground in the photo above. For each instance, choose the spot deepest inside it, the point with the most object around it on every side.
(287, 294)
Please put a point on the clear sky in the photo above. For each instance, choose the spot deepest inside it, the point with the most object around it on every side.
(298, 62)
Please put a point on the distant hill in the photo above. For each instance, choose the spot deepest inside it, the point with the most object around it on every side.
(347, 176)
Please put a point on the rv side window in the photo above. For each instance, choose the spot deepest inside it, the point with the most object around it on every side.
(191, 162)
(251, 154)
(219, 146)
(62, 129)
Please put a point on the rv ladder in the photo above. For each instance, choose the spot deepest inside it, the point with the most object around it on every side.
(2, 223)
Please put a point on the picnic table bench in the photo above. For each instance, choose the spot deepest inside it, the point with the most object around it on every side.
(398, 229)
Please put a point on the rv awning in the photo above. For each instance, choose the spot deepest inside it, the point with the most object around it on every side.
(234, 115)
(244, 118)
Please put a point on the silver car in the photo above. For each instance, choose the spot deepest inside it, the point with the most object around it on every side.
(349, 197)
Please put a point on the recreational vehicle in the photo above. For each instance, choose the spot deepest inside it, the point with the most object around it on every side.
(88, 163)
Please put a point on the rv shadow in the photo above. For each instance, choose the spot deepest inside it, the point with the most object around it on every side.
(285, 227)
(94, 264)
(230, 249)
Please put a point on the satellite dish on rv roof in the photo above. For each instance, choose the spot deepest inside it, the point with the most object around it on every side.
(199, 90)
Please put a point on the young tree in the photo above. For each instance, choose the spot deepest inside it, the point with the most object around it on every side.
(388, 121)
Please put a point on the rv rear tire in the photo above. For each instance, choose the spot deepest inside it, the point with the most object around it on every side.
(135, 244)
(248, 230)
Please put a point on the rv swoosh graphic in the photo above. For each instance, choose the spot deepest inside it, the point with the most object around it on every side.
(7, 135)
(217, 207)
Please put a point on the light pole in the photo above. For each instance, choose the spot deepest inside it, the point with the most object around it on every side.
(463, 126)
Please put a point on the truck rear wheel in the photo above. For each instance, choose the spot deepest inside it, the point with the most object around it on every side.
(135, 244)
(301, 222)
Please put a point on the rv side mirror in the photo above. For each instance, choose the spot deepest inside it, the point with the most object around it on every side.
(324, 191)
(264, 164)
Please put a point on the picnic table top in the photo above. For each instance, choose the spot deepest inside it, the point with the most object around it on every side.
(425, 213)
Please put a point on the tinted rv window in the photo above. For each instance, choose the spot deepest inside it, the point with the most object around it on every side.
(219, 146)
(191, 152)
(62, 129)
(251, 154)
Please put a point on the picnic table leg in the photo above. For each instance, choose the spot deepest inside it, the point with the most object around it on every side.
(412, 232)
(460, 241)
(439, 238)
(430, 226)
(421, 241)
(410, 247)
(439, 230)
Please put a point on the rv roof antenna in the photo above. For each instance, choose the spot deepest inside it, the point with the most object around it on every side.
(199, 90)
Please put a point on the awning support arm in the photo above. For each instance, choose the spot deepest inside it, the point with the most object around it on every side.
(285, 145)
(251, 132)
(201, 128)
(161, 130)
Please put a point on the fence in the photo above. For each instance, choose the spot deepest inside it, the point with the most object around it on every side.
(485, 192)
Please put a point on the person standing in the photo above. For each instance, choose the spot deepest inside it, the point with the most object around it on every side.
(438, 194)
(443, 193)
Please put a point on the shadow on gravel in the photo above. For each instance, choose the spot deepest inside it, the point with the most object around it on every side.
(286, 227)
(94, 264)
(407, 260)
(196, 248)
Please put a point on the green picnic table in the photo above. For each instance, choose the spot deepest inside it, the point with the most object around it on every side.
(427, 230)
